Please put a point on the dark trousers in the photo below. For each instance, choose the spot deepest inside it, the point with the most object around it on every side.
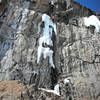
(65, 5)
(51, 9)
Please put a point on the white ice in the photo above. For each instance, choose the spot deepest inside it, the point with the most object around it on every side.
(56, 89)
(47, 39)
(46, 52)
(48, 22)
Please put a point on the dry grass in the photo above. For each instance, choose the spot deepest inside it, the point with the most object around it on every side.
(10, 88)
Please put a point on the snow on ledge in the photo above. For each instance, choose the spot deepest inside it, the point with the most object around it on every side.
(92, 20)
(50, 91)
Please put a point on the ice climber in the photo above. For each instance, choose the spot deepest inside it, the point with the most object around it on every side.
(51, 6)
(65, 3)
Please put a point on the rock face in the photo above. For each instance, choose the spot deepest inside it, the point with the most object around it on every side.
(2, 6)
(76, 53)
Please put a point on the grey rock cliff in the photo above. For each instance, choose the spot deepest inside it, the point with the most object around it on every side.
(76, 52)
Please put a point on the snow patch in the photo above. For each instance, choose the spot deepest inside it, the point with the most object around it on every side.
(92, 20)
(66, 81)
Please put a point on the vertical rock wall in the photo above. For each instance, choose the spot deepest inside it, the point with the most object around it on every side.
(76, 56)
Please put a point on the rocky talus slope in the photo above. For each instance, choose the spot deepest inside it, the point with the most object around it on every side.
(76, 54)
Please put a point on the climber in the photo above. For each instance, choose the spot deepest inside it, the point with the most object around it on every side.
(69, 4)
(51, 6)
(65, 4)
(52, 18)
(42, 24)
(51, 2)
